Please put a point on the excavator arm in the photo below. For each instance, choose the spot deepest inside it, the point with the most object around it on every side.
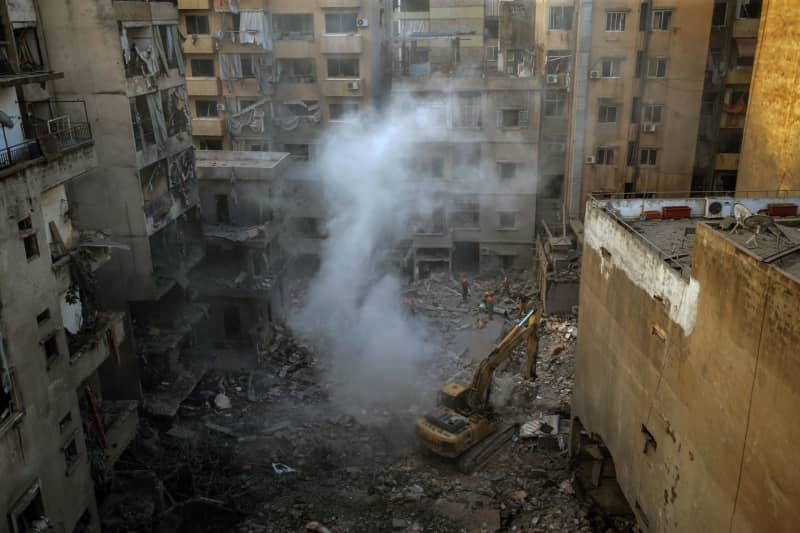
(526, 329)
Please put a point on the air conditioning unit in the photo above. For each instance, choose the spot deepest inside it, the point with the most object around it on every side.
(354, 85)
(552, 79)
(718, 207)
(362, 23)
(648, 127)
(590, 160)
(220, 107)
(594, 74)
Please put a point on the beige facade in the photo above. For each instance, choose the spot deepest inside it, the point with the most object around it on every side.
(471, 67)
(769, 158)
(61, 424)
(317, 62)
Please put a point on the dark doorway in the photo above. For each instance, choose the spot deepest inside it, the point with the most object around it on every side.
(232, 322)
(223, 214)
(466, 256)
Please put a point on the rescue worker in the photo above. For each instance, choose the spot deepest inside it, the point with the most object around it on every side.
(506, 286)
(464, 289)
(489, 300)
(523, 303)
(408, 305)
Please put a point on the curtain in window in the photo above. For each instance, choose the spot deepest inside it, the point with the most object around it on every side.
(254, 29)
(161, 54)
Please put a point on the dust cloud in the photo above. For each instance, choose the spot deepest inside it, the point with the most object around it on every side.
(354, 309)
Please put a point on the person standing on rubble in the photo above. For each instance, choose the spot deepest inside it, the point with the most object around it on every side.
(506, 287)
(464, 289)
(489, 301)
(523, 303)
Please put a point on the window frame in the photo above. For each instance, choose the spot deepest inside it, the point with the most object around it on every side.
(551, 104)
(604, 159)
(295, 77)
(195, 18)
(206, 106)
(341, 61)
(513, 165)
(198, 60)
(650, 155)
(344, 112)
(341, 16)
(301, 35)
(522, 120)
(615, 67)
(250, 60)
(663, 14)
(551, 18)
(605, 110)
(657, 60)
(724, 14)
(215, 140)
(649, 110)
(505, 227)
(615, 21)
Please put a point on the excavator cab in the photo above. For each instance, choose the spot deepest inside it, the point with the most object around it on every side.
(453, 396)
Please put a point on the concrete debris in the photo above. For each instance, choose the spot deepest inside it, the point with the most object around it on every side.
(222, 401)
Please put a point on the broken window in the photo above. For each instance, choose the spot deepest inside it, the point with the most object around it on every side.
(197, 24)
(615, 20)
(343, 110)
(512, 118)
(606, 156)
(506, 170)
(343, 67)
(607, 113)
(662, 19)
(303, 108)
(223, 213)
(298, 152)
(170, 44)
(174, 104)
(466, 111)
(206, 108)
(341, 23)
(560, 18)
(554, 103)
(611, 68)
(293, 27)
(28, 49)
(657, 67)
(203, 68)
(507, 219)
(142, 123)
(301, 70)
(28, 514)
(209, 143)
(557, 61)
(647, 156)
(71, 454)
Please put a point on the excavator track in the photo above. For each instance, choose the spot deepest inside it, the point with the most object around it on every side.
(478, 455)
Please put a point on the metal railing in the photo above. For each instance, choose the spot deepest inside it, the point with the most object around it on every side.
(599, 196)
(19, 153)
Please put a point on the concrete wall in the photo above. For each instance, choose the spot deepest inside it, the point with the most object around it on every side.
(706, 365)
(770, 158)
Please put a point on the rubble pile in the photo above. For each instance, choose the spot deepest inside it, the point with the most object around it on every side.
(266, 451)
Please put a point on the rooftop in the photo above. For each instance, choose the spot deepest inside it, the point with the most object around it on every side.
(774, 239)
(239, 159)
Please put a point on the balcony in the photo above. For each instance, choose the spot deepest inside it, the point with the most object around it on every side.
(91, 346)
(200, 44)
(340, 44)
(726, 161)
(194, 4)
(745, 28)
(343, 87)
(339, 4)
(208, 127)
(203, 87)
(739, 76)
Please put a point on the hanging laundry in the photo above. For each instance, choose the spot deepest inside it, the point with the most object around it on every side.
(230, 67)
(254, 29)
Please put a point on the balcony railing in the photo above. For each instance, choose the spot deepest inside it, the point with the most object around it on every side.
(19, 153)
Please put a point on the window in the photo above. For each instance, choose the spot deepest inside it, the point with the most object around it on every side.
(560, 18)
(31, 246)
(203, 68)
(342, 110)
(639, 63)
(340, 23)
(647, 156)
(292, 27)
(248, 66)
(662, 19)
(657, 67)
(507, 220)
(608, 113)
(554, 103)
(749, 9)
(653, 113)
(512, 118)
(611, 68)
(720, 15)
(206, 108)
(636, 111)
(28, 511)
(71, 454)
(43, 317)
(615, 20)
(466, 111)
(466, 211)
(197, 24)
(407, 6)
(606, 156)
(707, 104)
(631, 153)
(142, 123)
(466, 159)
(491, 28)
(343, 67)
(50, 346)
(298, 152)
(507, 171)
(491, 54)
(557, 61)
(297, 71)
(222, 209)
(209, 144)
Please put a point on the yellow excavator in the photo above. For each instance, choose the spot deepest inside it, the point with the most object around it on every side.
(463, 424)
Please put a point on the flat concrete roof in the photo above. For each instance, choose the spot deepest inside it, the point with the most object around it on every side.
(235, 158)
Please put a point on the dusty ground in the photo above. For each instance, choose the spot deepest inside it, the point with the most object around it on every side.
(268, 451)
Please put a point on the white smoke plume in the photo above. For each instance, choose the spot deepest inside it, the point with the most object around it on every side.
(354, 305)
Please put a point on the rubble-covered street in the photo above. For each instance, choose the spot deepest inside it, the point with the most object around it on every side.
(267, 450)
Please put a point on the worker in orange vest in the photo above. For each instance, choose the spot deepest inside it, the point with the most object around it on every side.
(489, 301)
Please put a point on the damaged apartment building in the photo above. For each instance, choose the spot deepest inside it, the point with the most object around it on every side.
(471, 68)
(63, 422)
